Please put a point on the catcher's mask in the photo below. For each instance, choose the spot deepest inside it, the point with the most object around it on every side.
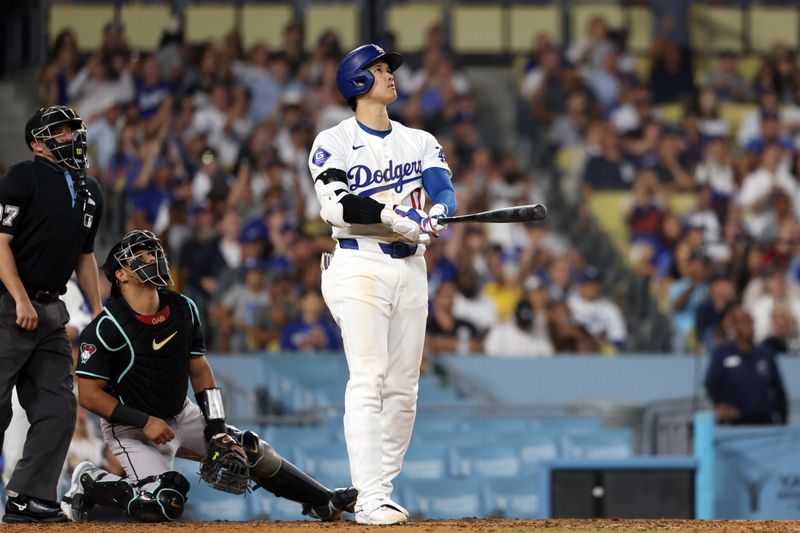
(141, 253)
(43, 127)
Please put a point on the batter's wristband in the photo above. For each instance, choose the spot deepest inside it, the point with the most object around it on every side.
(129, 416)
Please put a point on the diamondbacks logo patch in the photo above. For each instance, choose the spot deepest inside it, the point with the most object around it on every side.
(87, 350)
(320, 156)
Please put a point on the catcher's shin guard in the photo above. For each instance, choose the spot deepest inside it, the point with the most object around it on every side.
(161, 504)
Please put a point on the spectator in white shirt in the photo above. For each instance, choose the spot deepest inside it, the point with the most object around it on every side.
(776, 296)
(715, 169)
(601, 317)
(756, 194)
(517, 337)
(470, 305)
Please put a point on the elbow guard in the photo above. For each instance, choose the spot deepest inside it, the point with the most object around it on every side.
(332, 210)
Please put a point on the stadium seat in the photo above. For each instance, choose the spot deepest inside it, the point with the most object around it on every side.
(445, 498)
(606, 444)
(86, 20)
(715, 28)
(770, 25)
(748, 67)
(432, 392)
(478, 29)
(533, 448)
(426, 461)
(325, 462)
(144, 24)
(605, 204)
(288, 439)
(583, 12)
(208, 22)
(640, 29)
(343, 18)
(530, 21)
(670, 112)
(734, 113)
(514, 497)
(567, 425)
(264, 23)
(432, 430)
(494, 425)
(484, 461)
(410, 23)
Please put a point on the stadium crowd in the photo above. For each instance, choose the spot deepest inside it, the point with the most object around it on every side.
(208, 146)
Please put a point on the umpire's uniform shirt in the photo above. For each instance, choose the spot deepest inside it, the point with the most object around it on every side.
(53, 223)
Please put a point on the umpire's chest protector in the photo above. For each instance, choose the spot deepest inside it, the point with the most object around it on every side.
(155, 378)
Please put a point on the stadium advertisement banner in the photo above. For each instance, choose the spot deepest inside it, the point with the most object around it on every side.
(756, 473)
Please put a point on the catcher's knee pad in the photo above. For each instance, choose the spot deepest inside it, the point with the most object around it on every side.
(164, 502)
(262, 458)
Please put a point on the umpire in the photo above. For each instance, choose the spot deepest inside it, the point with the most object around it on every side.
(49, 213)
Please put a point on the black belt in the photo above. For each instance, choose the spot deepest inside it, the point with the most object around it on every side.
(42, 297)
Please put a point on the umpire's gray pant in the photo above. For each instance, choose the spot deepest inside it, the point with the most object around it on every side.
(39, 363)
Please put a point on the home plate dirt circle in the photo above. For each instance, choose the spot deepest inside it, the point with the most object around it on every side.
(427, 526)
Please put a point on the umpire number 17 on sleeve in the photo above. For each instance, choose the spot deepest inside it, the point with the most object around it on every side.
(325, 261)
(9, 213)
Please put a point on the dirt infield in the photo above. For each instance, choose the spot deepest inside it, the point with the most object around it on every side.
(426, 526)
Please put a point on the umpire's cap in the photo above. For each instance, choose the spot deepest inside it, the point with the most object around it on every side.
(353, 79)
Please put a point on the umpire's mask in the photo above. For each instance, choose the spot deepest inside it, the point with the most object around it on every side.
(43, 127)
(131, 253)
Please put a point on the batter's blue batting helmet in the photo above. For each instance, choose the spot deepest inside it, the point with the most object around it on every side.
(353, 79)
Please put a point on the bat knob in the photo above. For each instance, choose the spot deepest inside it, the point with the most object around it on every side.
(539, 212)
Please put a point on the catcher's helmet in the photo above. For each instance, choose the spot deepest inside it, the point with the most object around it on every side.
(42, 127)
(353, 79)
(128, 253)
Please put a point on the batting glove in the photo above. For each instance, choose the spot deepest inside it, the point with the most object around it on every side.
(405, 221)
(431, 223)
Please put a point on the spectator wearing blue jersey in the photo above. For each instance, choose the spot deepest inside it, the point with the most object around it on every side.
(312, 332)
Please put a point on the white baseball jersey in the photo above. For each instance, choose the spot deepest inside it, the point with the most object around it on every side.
(388, 169)
(380, 302)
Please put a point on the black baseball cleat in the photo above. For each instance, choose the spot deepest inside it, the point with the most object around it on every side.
(342, 500)
(22, 509)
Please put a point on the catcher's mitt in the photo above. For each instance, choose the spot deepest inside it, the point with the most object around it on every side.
(225, 467)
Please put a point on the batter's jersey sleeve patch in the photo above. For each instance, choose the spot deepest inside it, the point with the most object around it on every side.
(320, 156)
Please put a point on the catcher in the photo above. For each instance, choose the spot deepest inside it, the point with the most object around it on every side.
(134, 361)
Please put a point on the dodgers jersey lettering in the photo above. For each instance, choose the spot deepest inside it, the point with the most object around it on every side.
(387, 169)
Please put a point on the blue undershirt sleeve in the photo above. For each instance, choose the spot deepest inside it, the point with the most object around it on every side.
(437, 183)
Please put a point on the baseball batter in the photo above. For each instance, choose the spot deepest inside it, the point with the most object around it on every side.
(369, 175)
(135, 358)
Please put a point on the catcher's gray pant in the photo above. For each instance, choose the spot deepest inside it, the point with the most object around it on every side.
(39, 363)
(141, 457)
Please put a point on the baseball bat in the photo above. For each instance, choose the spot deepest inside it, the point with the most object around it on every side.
(520, 213)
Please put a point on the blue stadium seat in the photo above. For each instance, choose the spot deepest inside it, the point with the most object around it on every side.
(445, 498)
(572, 425)
(606, 444)
(514, 497)
(425, 461)
(493, 425)
(429, 429)
(484, 461)
(328, 462)
(533, 448)
(288, 439)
